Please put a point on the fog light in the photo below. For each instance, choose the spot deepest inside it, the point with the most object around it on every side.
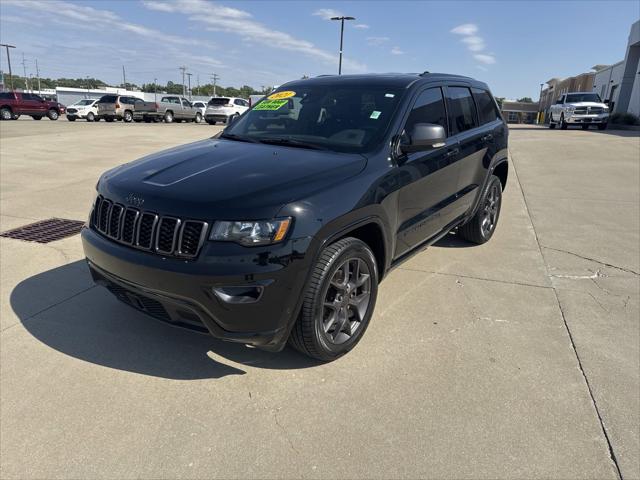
(243, 294)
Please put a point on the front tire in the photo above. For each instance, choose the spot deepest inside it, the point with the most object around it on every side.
(168, 117)
(6, 114)
(551, 124)
(127, 117)
(198, 118)
(53, 114)
(90, 117)
(563, 124)
(480, 228)
(339, 300)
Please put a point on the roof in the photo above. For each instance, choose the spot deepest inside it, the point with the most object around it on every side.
(398, 80)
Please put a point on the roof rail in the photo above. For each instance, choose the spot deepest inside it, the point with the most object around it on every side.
(325, 75)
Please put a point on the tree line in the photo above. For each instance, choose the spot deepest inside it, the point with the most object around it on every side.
(93, 83)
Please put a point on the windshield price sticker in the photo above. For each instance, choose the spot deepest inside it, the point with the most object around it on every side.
(281, 95)
(271, 104)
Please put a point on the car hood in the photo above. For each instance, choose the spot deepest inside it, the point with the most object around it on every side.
(225, 179)
(588, 104)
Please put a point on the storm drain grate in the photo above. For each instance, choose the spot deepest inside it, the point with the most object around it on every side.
(45, 231)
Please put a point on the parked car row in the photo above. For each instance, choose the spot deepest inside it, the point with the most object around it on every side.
(126, 108)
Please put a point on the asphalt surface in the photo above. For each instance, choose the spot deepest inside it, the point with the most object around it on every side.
(516, 359)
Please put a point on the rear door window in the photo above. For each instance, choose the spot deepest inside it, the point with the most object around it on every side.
(462, 109)
(487, 108)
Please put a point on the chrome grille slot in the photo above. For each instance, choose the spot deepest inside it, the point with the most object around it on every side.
(191, 237)
(114, 221)
(167, 234)
(129, 225)
(145, 230)
(103, 218)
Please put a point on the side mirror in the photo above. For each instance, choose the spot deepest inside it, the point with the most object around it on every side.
(424, 137)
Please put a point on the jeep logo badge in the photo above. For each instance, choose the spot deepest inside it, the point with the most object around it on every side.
(133, 199)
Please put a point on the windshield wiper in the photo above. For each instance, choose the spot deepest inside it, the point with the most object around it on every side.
(291, 143)
(239, 138)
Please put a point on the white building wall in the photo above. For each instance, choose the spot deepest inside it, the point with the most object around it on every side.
(607, 81)
(634, 101)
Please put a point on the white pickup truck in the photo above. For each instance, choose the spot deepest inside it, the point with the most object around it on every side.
(579, 108)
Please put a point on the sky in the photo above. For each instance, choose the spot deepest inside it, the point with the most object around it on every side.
(513, 46)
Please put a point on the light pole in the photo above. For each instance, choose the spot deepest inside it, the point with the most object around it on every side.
(155, 90)
(342, 19)
(9, 61)
(189, 75)
(540, 104)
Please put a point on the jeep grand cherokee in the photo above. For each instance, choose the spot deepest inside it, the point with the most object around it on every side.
(281, 228)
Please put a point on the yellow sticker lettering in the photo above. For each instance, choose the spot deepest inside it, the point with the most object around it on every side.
(281, 95)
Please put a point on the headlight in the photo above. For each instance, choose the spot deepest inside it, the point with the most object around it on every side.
(251, 233)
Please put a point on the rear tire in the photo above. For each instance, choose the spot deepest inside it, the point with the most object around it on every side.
(211, 122)
(480, 228)
(551, 124)
(198, 118)
(53, 114)
(127, 117)
(339, 300)
(90, 117)
(6, 114)
(168, 117)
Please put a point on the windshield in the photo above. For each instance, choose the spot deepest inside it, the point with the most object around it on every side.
(348, 119)
(85, 102)
(218, 101)
(583, 97)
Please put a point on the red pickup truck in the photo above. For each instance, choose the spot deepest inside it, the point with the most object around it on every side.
(14, 104)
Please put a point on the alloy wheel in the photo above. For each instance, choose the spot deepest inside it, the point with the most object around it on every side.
(491, 209)
(346, 301)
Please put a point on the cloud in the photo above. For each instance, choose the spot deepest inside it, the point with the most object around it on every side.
(465, 29)
(327, 13)
(486, 59)
(220, 18)
(474, 43)
(376, 41)
(361, 26)
(396, 51)
(66, 11)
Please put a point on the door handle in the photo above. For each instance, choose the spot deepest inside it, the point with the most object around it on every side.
(451, 153)
(487, 137)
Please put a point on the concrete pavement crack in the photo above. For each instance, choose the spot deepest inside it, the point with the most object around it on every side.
(508, 282)
(628, 270)
(612, 455)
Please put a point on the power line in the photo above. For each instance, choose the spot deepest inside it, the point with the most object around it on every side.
(9, 61)
(214, 78)
(183, 69)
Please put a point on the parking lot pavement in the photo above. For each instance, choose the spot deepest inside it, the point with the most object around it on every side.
(518, 358)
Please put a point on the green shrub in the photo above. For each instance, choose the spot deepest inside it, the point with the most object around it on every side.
(624, 119)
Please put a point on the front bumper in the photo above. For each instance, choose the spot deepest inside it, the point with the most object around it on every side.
(182, 292)
(602, 118)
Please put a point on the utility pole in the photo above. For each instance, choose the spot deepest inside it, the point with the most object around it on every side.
(38, 75)
(214, 79)
(183, 69)
(155, 90)
(124, 78)
(24, 68)
(198, 80)
(189, 75)
(9, 61)
(341, 19)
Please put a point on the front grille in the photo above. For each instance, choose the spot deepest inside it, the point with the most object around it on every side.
(147, 230)
(71, 110)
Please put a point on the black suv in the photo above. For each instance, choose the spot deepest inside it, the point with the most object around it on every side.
(281, 227)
